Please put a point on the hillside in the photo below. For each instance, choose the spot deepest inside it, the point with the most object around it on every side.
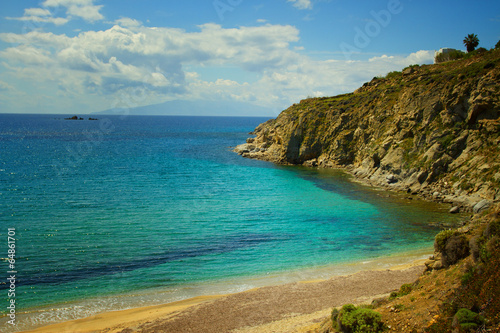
(432, 130)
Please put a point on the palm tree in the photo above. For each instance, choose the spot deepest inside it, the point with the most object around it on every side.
(471, 41)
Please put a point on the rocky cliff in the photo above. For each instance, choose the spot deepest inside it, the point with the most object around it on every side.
(432, 130)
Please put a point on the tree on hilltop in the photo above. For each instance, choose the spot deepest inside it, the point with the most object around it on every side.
(471, 42)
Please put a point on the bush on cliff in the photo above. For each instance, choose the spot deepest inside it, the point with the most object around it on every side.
(441, 239)
(452, 245)
(351, 319)
(483, 246)
(467, 320)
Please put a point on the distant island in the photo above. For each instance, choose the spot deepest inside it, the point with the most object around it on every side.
(79, 118)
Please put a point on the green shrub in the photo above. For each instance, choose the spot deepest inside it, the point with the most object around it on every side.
(456, 248)
(351, 319)
(452, 245)
(393, 74)
(492, 245)
(468, 327)
(405, 289)
(483, 246)
(393, 295)
(441, 239)
(467, 320)
(480, 50)
(476, 244)
(492, 229)
(468, 275)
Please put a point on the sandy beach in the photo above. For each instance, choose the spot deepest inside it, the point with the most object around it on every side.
(293, 307)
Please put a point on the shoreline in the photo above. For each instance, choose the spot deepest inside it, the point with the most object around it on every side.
(117, 321)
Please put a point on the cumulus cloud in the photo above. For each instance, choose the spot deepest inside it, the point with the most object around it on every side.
(128, 22)
(40, 15)
(85, 9)
(130, 56)
(137, 65)
(301, 4)
(420, 57)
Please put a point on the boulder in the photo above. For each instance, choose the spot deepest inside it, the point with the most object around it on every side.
(311, 163)
(455, 210)
(391, 179)
(408, 70)
(438, 264)
(429, 264)
(481, 206)
(244, 148)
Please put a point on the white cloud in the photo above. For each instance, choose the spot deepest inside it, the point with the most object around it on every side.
(85, 9)
(309, 77)
(40, 15)
(122, 58)
(132, 65)
(420, 57)
(37, 12)
(4, 86)
(27, 55)
(38, 19)
(128, 22)
(301, 4)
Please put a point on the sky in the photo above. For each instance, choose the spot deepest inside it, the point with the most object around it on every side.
(83, 56)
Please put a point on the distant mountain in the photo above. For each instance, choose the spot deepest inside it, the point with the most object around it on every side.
(196, 108)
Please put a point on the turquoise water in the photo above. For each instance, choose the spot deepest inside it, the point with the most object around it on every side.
(128, 211)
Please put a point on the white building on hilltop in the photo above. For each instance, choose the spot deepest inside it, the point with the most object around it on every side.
(445, 52)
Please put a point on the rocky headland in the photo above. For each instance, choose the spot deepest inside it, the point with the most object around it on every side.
(430, 130)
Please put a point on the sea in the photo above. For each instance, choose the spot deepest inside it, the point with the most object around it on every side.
(128, 211)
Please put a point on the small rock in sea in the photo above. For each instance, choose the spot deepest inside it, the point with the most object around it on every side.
(455, 210)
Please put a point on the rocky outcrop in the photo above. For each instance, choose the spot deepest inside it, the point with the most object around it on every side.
(433, 130)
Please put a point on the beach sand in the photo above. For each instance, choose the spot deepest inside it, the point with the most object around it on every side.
(292, 307)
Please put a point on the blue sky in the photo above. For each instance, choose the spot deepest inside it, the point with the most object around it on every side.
(82, 56)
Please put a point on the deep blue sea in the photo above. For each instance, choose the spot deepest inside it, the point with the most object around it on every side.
(140, 210)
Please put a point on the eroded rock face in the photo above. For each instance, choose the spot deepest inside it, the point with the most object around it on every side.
(436, 130)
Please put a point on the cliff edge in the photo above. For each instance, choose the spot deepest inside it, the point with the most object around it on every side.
(432, 130)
